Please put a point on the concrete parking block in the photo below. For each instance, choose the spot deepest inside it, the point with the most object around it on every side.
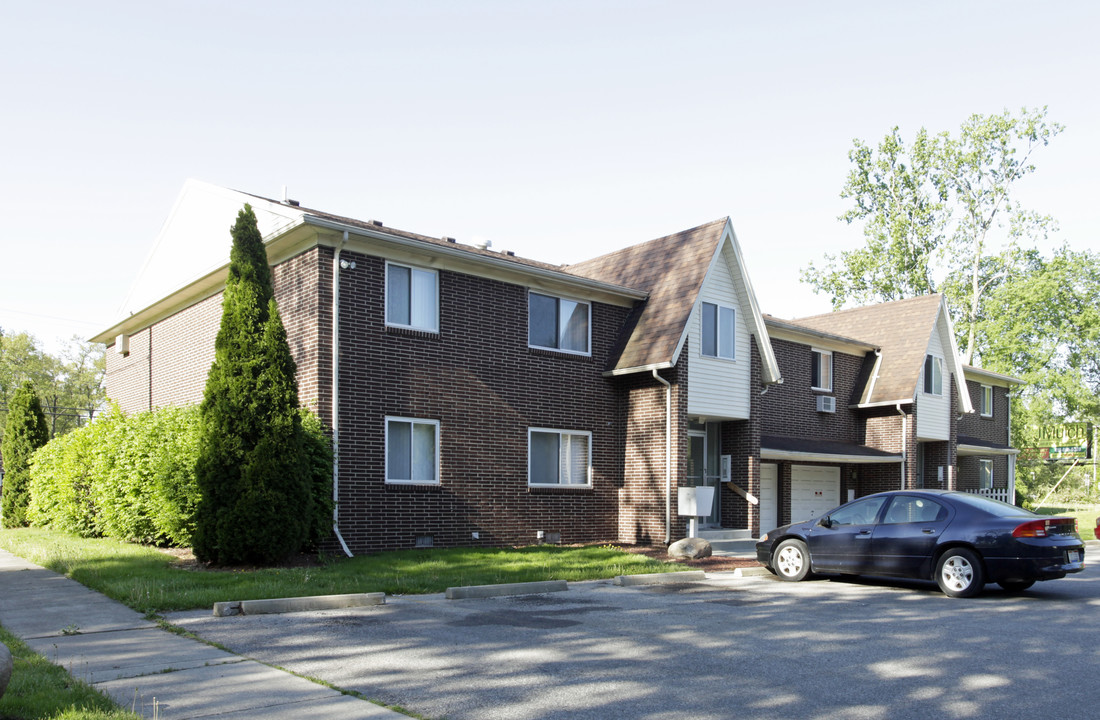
(661, 578)
(298, 604)
(486, 591)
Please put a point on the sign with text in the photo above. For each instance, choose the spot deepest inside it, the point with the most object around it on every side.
(1061, 441)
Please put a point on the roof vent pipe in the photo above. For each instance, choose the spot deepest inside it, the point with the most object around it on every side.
(482, 243)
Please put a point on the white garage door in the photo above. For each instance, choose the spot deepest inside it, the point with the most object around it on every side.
(814, 491)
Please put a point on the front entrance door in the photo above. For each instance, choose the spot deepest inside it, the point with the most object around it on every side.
(703, 467)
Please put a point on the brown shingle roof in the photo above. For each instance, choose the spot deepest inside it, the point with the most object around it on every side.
(901, 328)
(671, 269)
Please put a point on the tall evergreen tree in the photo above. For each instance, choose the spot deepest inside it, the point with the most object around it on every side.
(25, 431)
(251, 470)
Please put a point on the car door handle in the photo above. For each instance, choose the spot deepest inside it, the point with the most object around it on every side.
(929, 531)
(864, 534)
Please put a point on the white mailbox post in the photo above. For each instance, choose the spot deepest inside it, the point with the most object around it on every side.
(695, 502)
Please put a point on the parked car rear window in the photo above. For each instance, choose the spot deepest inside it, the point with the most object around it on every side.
(991, 506)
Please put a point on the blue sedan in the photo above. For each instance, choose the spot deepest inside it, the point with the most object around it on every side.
(960, 540)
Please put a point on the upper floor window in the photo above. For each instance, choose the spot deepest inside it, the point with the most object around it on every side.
(412, 451)
(987, 401)
(412, 298)
(559, 457)
(558, 324)
(933, 375)
(822, 370)
(719, 323)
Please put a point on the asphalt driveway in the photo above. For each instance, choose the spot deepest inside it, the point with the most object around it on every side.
(723, 648)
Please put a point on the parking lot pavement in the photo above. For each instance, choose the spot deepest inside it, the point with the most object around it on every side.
(721, 648)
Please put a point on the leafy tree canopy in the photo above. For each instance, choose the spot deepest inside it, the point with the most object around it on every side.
(939, 214)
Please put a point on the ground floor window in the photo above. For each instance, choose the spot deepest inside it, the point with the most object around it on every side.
(559, 457)
(985, 474)
(412, 451)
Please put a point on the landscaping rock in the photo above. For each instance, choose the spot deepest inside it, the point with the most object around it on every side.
(690, 548)
(5, 668)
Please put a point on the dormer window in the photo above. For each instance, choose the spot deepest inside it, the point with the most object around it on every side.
(719, 323)
(821, 371)
(933, 375)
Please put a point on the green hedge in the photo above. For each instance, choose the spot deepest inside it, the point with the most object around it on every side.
(132, 477)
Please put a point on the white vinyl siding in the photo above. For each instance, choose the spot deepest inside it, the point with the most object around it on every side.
(934, 410)
(412, 298)
(412, 451)
(719, 387)
(559, 457)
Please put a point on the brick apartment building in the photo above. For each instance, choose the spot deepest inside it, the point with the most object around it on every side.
(479, 398)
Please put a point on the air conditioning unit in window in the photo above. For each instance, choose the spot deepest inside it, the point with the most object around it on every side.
(826, 403)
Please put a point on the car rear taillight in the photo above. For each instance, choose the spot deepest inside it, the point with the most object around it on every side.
(1044, 528)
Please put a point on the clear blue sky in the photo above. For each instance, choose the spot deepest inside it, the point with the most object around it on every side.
(558, 130)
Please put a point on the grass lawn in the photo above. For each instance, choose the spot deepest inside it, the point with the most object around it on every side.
(40, 690)
(1086, 517)
(152, 581)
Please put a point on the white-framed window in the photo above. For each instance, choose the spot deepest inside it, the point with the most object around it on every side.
(987, 401)
(412, 297)
(821, 372)
(559, 457)
(933, 375)
(412, 451)
(985, 474)
(555, 323)
(719, 325)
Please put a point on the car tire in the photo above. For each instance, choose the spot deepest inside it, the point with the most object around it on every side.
(959, 573)
(791, 561)
(1016, 586)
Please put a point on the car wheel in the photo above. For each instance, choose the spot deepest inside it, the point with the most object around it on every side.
(959, 573)
(791, 560)
(1015, 586)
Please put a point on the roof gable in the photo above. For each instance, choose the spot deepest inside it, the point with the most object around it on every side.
(903, 330)
(672, 269)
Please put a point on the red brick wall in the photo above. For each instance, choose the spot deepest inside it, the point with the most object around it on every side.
(643, 499)
(479, 379)
(169, 361)
(790, 410)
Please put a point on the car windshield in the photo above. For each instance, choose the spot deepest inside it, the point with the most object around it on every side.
(991, 506)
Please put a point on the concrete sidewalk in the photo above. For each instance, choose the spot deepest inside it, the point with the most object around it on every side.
(150, 670)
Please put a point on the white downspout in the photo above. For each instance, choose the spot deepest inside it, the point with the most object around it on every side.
(336, 394)
(668, 454)
(904, 443)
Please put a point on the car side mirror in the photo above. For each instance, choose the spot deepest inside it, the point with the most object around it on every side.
(825, 522)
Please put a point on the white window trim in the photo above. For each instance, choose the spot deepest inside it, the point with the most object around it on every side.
(559, 298)
(560, 432)
(986, 412)
(386, 449)
(938, 362)
(823, 354)
(718, 331)
(982, 463)
(386, 296)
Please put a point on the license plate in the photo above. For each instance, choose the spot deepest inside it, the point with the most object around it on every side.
(1073, 556)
